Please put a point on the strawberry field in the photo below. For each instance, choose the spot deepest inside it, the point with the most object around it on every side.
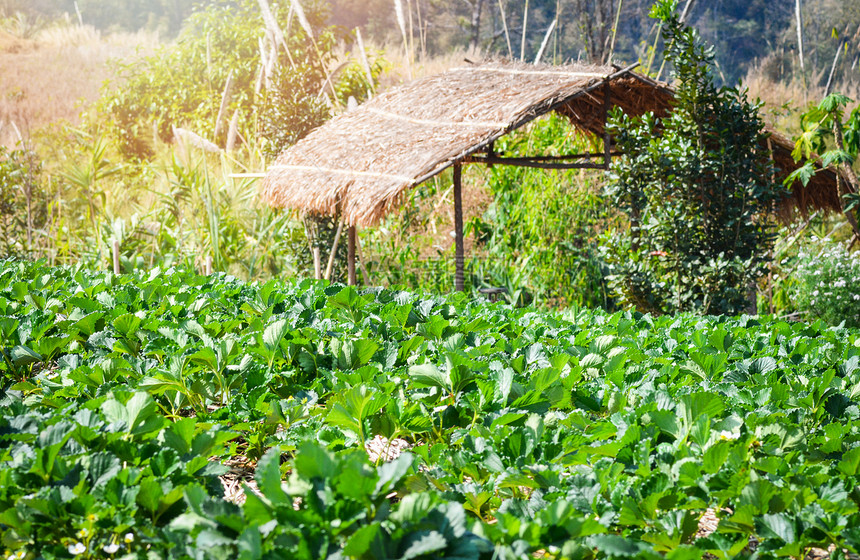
(130, 403)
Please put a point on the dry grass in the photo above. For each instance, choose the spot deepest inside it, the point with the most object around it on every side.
(785, 101)
(55, 74)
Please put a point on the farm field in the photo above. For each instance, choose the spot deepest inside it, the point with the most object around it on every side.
(166, 415)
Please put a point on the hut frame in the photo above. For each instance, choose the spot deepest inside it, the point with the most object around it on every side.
(373, 184)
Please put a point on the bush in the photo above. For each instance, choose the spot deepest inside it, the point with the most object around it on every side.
(697, 187)
(828, 285)
(183, 83)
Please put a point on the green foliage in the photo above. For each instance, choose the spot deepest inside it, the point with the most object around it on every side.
(826, 285)
(219, 41)
(697, 186)
(817, 134)
(537, 237)
(576, 434)
(23, 202)
(540, 231)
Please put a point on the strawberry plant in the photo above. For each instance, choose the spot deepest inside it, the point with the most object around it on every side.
(575, 434)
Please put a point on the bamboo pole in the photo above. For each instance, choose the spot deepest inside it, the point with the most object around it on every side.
(546, 40)
(116, 257)
(615, 31)
(365, 277)
(350, 267)
(225, 100)
(507, 32)
(525, 26)
(333, 254)
(799, 17)
(459, 257)
(829, 85)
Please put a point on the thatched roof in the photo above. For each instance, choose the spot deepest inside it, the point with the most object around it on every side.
(361, 163)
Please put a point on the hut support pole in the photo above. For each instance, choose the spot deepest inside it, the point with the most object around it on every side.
(607, 141)
(459, 275)
(350, 267)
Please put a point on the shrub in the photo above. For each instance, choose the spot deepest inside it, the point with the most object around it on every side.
(697, 187)
(828, 285)
(183, 83)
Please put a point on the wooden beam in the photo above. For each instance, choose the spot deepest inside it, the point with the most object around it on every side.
(350, 260)
(566, 157)
(459, 246)
(530, 162)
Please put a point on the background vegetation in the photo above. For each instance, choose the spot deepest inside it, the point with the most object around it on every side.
(157, 159)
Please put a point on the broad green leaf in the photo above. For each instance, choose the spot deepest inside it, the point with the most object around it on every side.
(23, 356)
(428, 375)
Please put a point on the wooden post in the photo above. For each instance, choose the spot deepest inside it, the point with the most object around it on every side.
(350, 262)
(330, 267)
(209, 267)
(459, 275)
(365, 277)
(607, 140)
(116, 257)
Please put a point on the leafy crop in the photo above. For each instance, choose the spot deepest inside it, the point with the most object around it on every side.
(565, 435)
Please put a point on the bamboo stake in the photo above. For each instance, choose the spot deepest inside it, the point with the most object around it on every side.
(411, 35)
(333, 254)
(833, 70)
(525, 26)
(546, 40)
(225, 99)
(116, 257)
(615, 31)
(365, 63)
(422, 31)
(799, 17)
(401, 22)
(365, 277)
(507, 33)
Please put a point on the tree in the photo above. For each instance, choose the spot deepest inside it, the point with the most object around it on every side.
(697, 186)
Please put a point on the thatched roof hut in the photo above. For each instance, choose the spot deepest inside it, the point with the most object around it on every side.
(363, 162)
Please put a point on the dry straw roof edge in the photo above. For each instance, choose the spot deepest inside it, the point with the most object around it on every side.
(361, 163)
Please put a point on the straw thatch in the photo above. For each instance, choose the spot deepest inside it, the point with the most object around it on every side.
(362, 163)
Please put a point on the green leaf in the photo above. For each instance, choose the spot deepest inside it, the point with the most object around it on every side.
(314, 461)
(367, 542)
(350, 409)
(613, 545)
(274, 334)
(777, 525)
(423, 543)
(250, 544)
(850, 462)
(268, 477)
(23, 356)
(392, 472)
(127, 324)
(428, 375)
